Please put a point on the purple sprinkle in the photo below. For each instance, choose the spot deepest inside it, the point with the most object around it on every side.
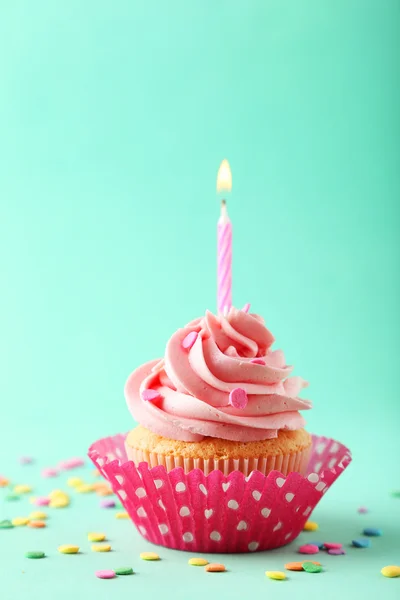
(25, 460)
(362, 510)
(336, 551)
(107, 503)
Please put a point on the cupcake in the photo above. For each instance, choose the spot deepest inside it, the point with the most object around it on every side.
(220, 399)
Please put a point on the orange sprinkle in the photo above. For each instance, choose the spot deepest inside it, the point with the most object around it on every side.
(37, 524)
(4, 482)
(215, 568)
(294, 566)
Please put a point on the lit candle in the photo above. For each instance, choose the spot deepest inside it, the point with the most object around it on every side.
(224, 241)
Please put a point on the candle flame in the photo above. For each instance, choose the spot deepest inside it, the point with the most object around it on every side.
(224, 177)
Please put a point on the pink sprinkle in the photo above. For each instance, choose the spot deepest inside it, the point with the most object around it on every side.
(332, 546)
(238, 398)
(309, 549)
(189, 340)
(107, 503)
(42, 501)
(362, 510)
(150, 395)
(336, 551)
(71, 463)
(258, 361)
(246, 307)
(25, 460)
(105, 574)
(49, 472)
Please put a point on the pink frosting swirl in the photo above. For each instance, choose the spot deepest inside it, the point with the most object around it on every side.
(187, 395)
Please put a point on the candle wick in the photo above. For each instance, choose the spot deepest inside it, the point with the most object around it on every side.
(224, 212)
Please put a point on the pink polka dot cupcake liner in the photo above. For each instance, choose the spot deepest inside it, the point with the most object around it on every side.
(218, 513)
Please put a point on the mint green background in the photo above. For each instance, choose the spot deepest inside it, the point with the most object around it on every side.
(114, 117)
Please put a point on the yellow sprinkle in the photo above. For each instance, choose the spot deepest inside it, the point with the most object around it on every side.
(58, 494)
(22, 489)
(4, 482)
(68, 549)
(149, 556)
(59, 503)
(391, 571)
(275, 575)
(121, 515)
(310, 526)
(198, 562)
(32, 499)
(38, 515)
(74, 482)
(101, 547)
(20, 521)
(84, 488)
(96, 537)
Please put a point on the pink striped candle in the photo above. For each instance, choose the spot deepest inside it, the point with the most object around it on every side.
(224, 294)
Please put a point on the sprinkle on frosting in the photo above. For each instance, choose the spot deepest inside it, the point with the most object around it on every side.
(206, 363)
(246, 307)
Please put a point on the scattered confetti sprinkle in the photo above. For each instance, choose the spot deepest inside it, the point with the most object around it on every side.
(150, 395)
(58, 494)
(336, 551)
(36, 524)
(311, 567)
(49, 472)
(278, 575)
(121, 515)
(71, 463)
(59, 503)
(124, 571)
(4, 482)
(12, 497)
(107, 504)
(25, 460)
(38, 514)
(96, 537)
(40, 501)
(74, 482)
(361, 543)
(391, 571)
(314, 562)
(105, 574)
(101, 547)
(396, 494)
(294, 566)
(362, 510)
(308, 549)
(20, 521)
(6, 524)
(22, 488)
(84, 488)
(332, 545)
(319, 544)
(372, 532)
(68, 549)
(189, 340)
(246, 307)
(34, 554)
(198, 562)
(104, 491)
(310, 526)
(238, 398)
(215, 568)
(149, 556)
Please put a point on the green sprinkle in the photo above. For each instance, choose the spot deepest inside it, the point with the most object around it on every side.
(396, 494)
(124, 571)
(12, 497)
(6, 524)
(310, 567)
(35, 554)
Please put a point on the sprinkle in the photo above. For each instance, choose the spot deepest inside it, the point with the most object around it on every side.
(336, 551)
(314, 562)
(12, 497)
(35, 554)
(68, 549)
(215, 568)
(22, 489)
(105, 574)
(396, 493)
(149, 556)
(84, 488)
(189, 340)
(278, 575)
(49, 472)
(96, 537)
(4, 482)
(40, 501)
(319, 544)
(361, 543)
(107, 503)
(59, 503)
(71, 463)
(124, 571)
(372, 532)
(310, 526)
(101, 547)
(104, 491)
(391, 571)
(310, 567)
(258, 361)
(20, 521)
(96, 473)
(198, 562)
(6, 524)
(36, 524)
(308, 549)
(38, 514)
(25, 460)
(74, 481)
(57, 493)
(238, 398)
(362, 510)
(294, 566)
(150, 395)
(121, 515)
(332, 546)
(246, 307)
